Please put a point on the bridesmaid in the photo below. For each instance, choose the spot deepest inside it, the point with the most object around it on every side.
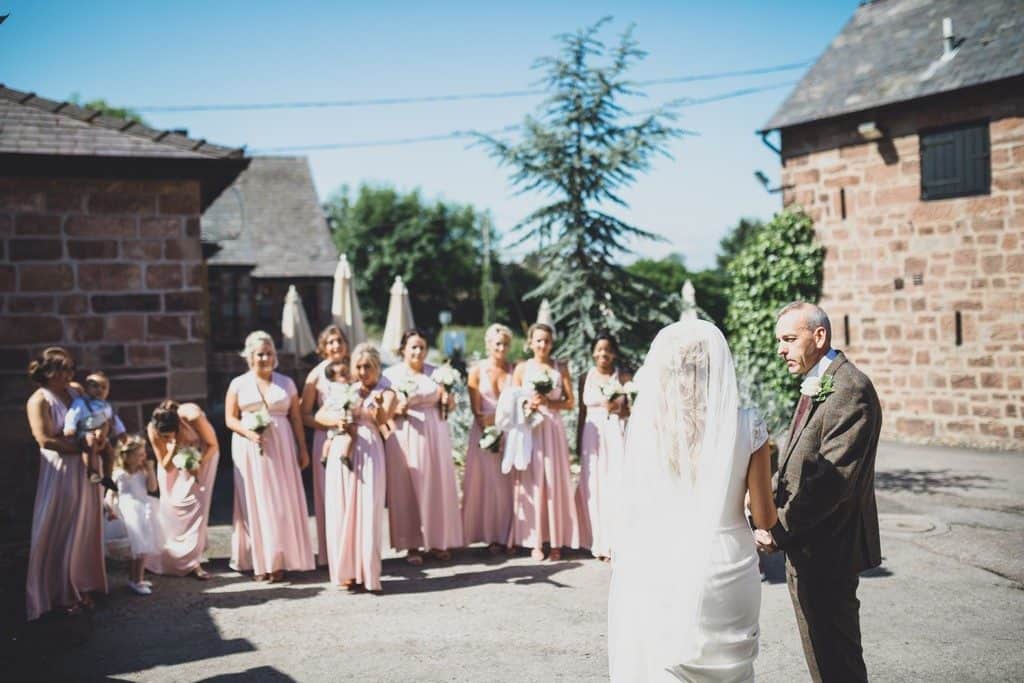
(332, 346)
(60, 490)
(354, 492)
(184, 511)
(602, 426)
(423, 498)
(542, 494)
(486, 492)
(270, 534)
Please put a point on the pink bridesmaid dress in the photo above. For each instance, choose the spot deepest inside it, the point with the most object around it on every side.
(354, 503)
(88, 557)
(423, 498)
(542, 501)
(601, 456)
(270, 525)
(486, 492)
(55, 519)
(184, 510)
(316, 375)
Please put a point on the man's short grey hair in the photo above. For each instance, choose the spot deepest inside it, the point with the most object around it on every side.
(814, 315)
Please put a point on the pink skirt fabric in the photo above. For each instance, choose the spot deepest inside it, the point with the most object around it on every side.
(422, 439)
(55, 515)
(542, 500)
(184, 513)
(270, 525)
(486, 495)
(319, 477)
(88, 561)
(404, 528)
(601, 453)
(354, 503)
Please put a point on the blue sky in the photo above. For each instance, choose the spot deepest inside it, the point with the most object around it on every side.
(186, 52)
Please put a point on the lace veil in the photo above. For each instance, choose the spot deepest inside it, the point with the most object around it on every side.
(679, 455)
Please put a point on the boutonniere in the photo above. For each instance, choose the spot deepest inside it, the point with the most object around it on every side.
(818, 388)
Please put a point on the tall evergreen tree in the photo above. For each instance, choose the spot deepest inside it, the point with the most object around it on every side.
(582, 147)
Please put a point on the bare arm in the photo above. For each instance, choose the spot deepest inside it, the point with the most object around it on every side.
(759, 487)
(295, 417)
(310, 396)
(582, 419)
(151, 483)
(386, 408)
(568, 401)
(233, 417)
(163, 449)
(475, 401)
(41, 424)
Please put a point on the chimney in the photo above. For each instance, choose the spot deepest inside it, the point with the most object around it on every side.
(948, 41)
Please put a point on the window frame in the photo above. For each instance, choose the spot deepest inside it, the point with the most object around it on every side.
(930, 192)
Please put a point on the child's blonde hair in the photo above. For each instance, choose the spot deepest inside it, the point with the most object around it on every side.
(131, 443)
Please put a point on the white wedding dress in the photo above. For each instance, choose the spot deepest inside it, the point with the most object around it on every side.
(685, 596)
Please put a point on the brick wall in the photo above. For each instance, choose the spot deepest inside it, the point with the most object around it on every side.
(113, 271)
(968, 251)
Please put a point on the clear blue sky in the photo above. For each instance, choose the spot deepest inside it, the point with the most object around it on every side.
(189, 52)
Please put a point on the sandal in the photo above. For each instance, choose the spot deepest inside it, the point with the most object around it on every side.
(414, 558)
(201, 574)
(277, 577)
(260, 577)
(442, 555)
(555, 555)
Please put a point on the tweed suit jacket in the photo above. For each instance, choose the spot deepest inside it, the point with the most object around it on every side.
(825, 493)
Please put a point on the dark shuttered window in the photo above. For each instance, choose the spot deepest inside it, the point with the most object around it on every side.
(955, 162)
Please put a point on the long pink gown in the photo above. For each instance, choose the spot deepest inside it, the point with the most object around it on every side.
(601, 456)
(88, 556)
(184, 510)
(317, 377)
(58, 505)
(423, 497)
(542, 500)
(486, 492)
(354, 502)
(270, 526)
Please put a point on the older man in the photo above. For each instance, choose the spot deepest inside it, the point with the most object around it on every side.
(828, 521)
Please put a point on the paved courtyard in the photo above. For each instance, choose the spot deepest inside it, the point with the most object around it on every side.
(947, 604)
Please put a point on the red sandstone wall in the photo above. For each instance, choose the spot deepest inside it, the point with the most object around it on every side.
(970, 252)
(111, 270)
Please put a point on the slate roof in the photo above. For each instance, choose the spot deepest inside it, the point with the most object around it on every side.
(890, 51)
(30, 124)
(271, 218)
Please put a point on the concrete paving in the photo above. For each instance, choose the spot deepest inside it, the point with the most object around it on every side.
(947, 604)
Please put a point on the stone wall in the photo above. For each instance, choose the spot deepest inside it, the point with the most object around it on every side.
(962, 256)
(113, 271)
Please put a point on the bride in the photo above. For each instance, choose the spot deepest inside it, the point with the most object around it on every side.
(685, 594)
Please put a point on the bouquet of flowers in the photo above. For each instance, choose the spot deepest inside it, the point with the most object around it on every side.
(186, 459)
(447, 377)
(543, 383)
(258, 421)
(614, 389)
(490, 440)
(408, 387)
(344, 397)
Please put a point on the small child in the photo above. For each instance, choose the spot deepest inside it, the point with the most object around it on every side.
(92, 419)
(135, 477)
(334, 406)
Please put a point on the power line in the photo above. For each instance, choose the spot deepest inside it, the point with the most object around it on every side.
(457, 134)
(493, 95)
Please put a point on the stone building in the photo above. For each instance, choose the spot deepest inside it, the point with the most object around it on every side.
(905, 143)
(100, 252)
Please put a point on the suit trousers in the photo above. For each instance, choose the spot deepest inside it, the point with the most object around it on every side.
(828, 616)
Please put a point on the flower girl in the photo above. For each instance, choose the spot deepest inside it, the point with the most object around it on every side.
(135, 476)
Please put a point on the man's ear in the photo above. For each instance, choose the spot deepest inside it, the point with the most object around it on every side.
(820, 337)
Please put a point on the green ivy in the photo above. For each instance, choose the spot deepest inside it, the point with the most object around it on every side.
(779, 265)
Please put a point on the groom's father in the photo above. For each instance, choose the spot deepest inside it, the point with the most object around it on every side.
(828, 522)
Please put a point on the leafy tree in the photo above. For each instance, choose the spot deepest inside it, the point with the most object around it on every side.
(108, 109)
(582, 147)
(667, 276)
(734, 241)
(436, 248)
(777, 265)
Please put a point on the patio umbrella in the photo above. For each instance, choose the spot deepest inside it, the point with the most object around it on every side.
(298, 338)
(689, 311)
(345, 305)
(399, 317)
(544, 314)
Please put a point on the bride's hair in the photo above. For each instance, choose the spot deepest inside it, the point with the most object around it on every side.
(690, 372)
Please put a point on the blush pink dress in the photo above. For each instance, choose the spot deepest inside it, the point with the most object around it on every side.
(88, 556)
(542, 500)
(601, 456)
(270, 525)
(354, 503)
(184, 509)
(423, 503)
(486, 492)
(319, 380)
(59, 491)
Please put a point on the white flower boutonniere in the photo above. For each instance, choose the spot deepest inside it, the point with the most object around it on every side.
(818, 388)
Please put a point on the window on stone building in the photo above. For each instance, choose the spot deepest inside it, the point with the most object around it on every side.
(230, 306)
(955, 161)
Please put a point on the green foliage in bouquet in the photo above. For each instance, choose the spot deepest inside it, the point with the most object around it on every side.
(780, 264)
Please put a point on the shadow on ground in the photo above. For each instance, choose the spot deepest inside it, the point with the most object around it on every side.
(927, 481)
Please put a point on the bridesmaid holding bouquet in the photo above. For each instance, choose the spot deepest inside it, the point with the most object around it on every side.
(542, 494)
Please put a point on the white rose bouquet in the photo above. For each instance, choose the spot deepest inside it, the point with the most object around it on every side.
(258, 421)
(490, 440)
(543, 383)
(186, 459)
(447, 377)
